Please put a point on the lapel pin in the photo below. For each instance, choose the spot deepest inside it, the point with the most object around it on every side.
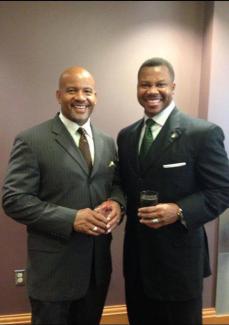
(175, 134)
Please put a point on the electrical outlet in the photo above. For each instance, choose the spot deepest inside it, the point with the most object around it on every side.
(19, 277)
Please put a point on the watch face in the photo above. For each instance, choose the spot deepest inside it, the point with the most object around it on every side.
(180, 214)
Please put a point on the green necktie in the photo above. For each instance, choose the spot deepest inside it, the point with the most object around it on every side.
(147, 139)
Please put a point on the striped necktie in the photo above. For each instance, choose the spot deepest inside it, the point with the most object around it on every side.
(84, 147)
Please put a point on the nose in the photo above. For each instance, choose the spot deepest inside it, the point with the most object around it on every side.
(79, 96)
(153, 89)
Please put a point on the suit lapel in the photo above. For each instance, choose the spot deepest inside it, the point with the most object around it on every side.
(134, 136)
(98, 145)
(170, 132)
(64, 139)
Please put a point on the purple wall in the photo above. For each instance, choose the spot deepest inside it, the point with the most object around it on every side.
(110, 39)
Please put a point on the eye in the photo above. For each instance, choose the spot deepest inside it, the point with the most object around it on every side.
(88, 91)
(162, 85)
(70, 90)
(144, 85)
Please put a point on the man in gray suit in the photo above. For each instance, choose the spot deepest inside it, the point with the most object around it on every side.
(166, 249)
(70, 200)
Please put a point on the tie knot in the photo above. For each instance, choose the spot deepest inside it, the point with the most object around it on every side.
(81, 131)
(149, 122)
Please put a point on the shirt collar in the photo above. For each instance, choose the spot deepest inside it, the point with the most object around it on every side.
(161, 117)
(72, 127)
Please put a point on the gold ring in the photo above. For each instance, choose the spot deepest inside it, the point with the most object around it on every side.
(155, 220)
(95, 228)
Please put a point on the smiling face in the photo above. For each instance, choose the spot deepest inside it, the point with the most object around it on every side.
(155, 89)
(76, 94)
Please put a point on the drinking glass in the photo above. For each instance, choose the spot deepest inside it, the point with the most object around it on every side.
(148, 198)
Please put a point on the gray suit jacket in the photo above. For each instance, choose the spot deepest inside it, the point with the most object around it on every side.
(187, 165)
(46, 183)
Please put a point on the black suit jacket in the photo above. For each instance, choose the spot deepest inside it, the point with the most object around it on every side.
(186, 164)
(46, 183)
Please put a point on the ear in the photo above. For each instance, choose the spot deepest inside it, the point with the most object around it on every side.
(58, 95)
(173, 88)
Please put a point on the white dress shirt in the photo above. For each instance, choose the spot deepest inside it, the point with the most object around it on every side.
(73, 127)
(159, 120)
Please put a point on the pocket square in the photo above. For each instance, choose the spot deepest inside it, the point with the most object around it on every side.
(111, 163)
(174, 165)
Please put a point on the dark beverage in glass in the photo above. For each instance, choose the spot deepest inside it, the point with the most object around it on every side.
(148, 198)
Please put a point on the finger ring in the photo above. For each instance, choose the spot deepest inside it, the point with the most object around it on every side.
(95, 228)
(155, 220)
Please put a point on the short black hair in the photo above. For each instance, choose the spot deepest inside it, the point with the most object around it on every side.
(155, 62)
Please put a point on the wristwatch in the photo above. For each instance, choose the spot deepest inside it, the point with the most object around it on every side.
(180, 214)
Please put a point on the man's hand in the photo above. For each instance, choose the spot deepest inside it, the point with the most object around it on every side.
(112, 212)
(159, 215)
(90, 222)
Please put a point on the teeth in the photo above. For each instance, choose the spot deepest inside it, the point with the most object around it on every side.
(79, 106)
(153, 101)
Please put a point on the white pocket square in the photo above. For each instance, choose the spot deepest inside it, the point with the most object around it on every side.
(111, 163)
(174, 165)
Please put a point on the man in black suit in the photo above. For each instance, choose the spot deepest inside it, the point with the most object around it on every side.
(165, 248)
(70, 202)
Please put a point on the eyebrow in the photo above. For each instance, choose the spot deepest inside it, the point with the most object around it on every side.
(74, 87)
(148, 81)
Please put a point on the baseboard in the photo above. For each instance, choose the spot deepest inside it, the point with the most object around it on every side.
(210, 317)
(117, 315)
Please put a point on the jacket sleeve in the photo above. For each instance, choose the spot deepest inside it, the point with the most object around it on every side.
(212, 174)
(21, 199)
(117, 191)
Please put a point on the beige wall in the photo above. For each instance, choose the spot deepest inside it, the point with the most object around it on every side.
(111, 39)
(218, 112)
(219, 88)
